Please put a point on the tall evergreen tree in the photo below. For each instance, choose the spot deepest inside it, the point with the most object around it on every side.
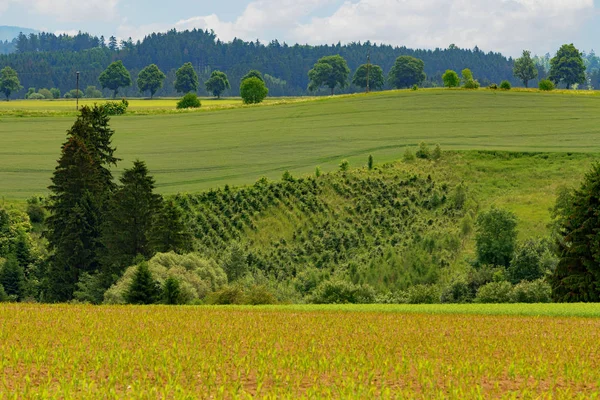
(80, 188)
(128, 227)
(143, 289)
(12, 277)
(577, 275)
(170, 232)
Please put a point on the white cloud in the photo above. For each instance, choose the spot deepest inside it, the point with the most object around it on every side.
(256, 20)
(69, 10)
(499, 25)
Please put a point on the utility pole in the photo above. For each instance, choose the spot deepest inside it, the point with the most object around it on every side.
(368, 69)
(77, 95)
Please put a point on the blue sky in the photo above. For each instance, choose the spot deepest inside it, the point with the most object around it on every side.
(499, 25)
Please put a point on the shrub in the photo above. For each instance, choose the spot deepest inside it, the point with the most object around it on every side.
(67, 95)
(344, 165)
(35, 210)
(55, 93)
(408, 155)
(422, 294)
(190, 100)
(415, 87)
(370, 162)
(494, 292)
(74, 92)
(46, 93)
(233, 294)
(505, 85)
(253, 90)
(197, 276)
(318, 172)
(116, 107)
(468, 81)
(423, 151)
(493, 86)
(92, 93)
(537, 291)
(546, 85)
(437, 152)
(259, 294)
(457, 292)
(36, 96)
(339, 291)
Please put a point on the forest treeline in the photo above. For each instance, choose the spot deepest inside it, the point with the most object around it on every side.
(47, 61)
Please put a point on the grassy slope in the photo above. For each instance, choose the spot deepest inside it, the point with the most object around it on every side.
(195, 151)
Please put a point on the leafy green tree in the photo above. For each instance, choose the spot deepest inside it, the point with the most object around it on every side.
(406, 72)
(376, 79)
(567, 66)
(143, 289)
(9, 82)
(253, 90)
(80, 188)
(253, 74)
(235, 264)
(150, 79)
(170, 232)
(115, 77)
(577, 275)
(329, 71)
(531, 260)
(525, 68)
(451, 79)
(468, 81)
(186, 79)
(12, 277)
(55, 93)
(217, 83)
(129, 222)
(496, 237)
(171, 292)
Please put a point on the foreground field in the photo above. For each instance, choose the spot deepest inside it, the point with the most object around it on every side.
(191, 152)
(202, 352)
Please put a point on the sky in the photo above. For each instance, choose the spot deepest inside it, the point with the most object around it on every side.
(506, 26)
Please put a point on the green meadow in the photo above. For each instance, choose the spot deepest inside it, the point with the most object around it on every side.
(189, 152)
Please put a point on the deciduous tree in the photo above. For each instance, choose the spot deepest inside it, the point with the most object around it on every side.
(406, 72)
(329, 71)
(186, 79)
(9, 82)
(525, 68)
(217, 83)
(376, 79)
(115, 77)
(150, 79)
(567, 66)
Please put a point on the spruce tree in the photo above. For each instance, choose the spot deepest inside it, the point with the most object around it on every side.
(171, 293)
(170, 232)
(80, 188)
(12, 277)
(577, 275)
(127, 231)
(143, 288)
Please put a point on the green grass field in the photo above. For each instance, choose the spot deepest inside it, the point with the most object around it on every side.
(195, 151)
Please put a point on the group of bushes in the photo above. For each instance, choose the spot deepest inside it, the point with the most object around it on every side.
(42, 94)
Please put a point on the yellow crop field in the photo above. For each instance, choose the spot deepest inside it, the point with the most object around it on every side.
(158, 352)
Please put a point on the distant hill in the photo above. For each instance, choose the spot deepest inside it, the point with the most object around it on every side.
(11, 32)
